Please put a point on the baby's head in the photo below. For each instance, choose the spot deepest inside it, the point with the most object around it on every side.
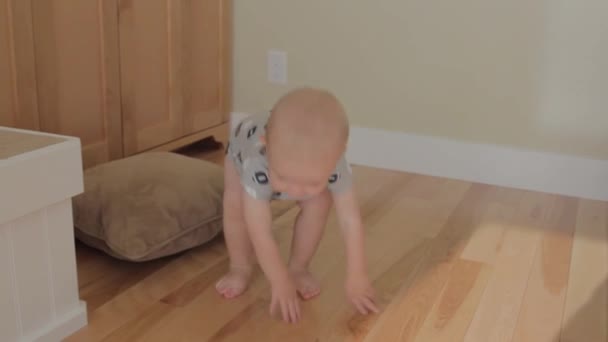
(306, 135)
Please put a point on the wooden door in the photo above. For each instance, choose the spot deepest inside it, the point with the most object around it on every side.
(18, 103)
(173, 69)
(205, 53)
(78, 74)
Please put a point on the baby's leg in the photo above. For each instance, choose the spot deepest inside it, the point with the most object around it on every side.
(237, 239)
(308, 231)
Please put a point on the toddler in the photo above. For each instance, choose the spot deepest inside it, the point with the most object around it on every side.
(296, 152)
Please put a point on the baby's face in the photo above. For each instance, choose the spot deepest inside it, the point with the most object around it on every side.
(300, 179)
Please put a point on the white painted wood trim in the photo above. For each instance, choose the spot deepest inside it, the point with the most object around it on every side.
(37, 247)
(32, 180)
(481, 163)
(64, 326)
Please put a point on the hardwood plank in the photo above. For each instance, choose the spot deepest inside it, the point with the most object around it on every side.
(450, 195)
(136, 300)
(487, 239)
(453, 312)
(403, 318)
(479, 270)
(249, 312)
(139, 327)
(186, 293)
(398, 277)
(586, 312)
(194, 320)
(356, 327)
(485, 243)
(191, 301)
(426, 187)
(426, 211)
(199, 316)
(543, 302)
(119, 278)
(191, 319)
(406, 314)
(496, 317)
(368, 191)
(149, 325)
(465, 219)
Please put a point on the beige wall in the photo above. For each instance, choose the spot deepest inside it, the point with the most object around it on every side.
(524, 73)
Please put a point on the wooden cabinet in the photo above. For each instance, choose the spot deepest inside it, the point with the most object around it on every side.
(125, 76)
(77, 71)
(172, 58)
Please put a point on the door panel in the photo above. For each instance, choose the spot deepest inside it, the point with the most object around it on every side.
(78, 74)
(18, 101)
(198, 46)
(174, 69)
(152, 108)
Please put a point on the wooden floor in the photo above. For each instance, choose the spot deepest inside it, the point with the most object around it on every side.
(451, 261)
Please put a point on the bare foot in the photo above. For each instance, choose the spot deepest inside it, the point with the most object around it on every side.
(234, 283)
(306, 285)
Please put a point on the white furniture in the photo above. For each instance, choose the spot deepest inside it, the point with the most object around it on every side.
(39, 174)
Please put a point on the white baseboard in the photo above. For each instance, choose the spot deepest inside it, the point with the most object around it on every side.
(63, 327)
(481, 163)
(495, 165)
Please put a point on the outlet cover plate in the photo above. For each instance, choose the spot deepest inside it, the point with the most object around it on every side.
(277, 66)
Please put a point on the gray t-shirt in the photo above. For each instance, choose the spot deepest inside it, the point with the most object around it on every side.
(249, 157)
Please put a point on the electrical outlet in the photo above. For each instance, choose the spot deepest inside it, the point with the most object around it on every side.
(277, 66)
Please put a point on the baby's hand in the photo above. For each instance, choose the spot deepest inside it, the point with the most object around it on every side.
(285, 297)
(361, 294)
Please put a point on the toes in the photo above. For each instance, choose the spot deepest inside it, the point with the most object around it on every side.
(232, 292)
(220, 288)
(309, 292)
(313, 293)
(224, 289)
(307, 287)
(228, 294)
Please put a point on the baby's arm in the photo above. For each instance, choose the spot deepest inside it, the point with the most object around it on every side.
(358, 285)
(258, 218)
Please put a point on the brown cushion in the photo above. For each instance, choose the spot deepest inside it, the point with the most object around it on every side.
(149, 205)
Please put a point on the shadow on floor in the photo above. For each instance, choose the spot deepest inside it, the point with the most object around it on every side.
(590, 320)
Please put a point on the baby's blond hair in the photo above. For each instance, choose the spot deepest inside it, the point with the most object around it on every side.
(307, 122)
